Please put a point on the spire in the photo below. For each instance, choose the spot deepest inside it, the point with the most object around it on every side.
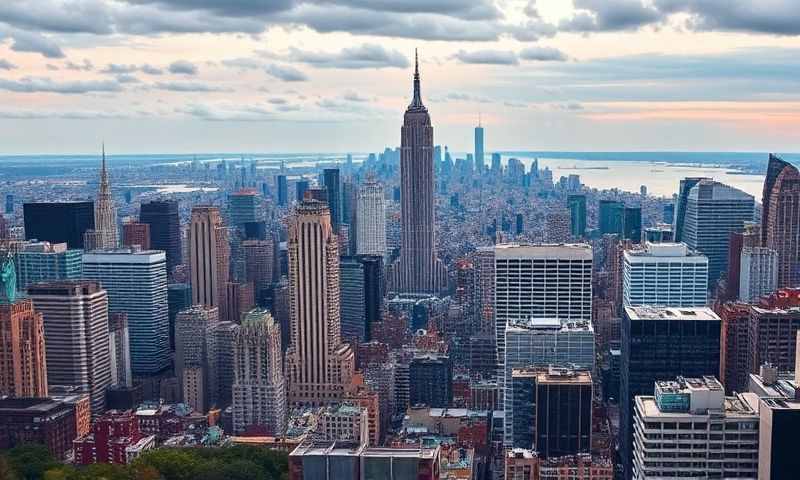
(103, 163)
(417, 101)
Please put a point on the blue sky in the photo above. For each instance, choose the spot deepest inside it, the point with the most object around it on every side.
(334, 75)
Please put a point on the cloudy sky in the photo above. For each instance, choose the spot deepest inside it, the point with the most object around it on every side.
(190, 76)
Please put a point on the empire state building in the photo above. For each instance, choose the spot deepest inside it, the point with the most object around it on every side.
(418, 270)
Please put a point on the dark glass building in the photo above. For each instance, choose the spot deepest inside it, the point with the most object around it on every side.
(59, 222)
(283, 190)
(661, 344)
(330, 177)
(361, 281)
(431, 381)
(165, 229)
(632, 224)
(179, 297)
(611, 216)
(300, 188)
(577, 211)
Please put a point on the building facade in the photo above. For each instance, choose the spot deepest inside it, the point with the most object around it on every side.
(758, 273)
(371, 219)
(165, 229)
(59, 222)
(665, 274)
(47, 262)
(209, 255)
(23, 369)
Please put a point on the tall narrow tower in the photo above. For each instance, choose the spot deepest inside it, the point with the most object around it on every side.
(209, 253)
(479, 154)
(318, 366)
(105, 216)
(418, 270)
(780, 218)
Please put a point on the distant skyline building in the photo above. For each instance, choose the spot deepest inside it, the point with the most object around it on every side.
(243, 207)
(780, 217)
(371, 219)
(714, 211)
(361, 282)
(632, 224)
(684, 188)
(665, 274)
(259, 387)
(76, 329)
(59, 222)
(300, 189)
(418, 270)
(105, 214)
(165, 229)
(540, 281)
(23, 369)
(282, 186)
(611, 216)
(333, 186)
(136, 234)
(318, 364)
(577, 211)
(136, 282)
(479, 154)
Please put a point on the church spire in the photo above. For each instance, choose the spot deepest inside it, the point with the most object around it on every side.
(417, 101)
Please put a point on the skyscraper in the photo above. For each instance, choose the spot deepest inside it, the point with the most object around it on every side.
(361, 282)
(23, 369)
(418, 270)
(662, 343)
(300, 190)
(685, 187)
(632, 224)
(713, 211)
(371, 219)
(58, 222)
(577, 210)
(193, 330)
(318, 364)
(105, 215)
(283, 190)
(179, 297)
(209, 254)
(330, 178)
(259, 256)
(431, 380)
(259, 387)
(611, 212)
(165, 229)
(780, 219)
(664, 274)
(758, 273)
(243, 207)
(76, 327)
(46, 262)
(136, 233)
(479, 154)
(541, 281)
(136, 282)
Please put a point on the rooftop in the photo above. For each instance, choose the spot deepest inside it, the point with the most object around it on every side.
(547, 324)
(664, 250)
(571, 251)
(669, 313)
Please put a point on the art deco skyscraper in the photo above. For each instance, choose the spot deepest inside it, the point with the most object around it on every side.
(209, 254)
(259, 387)
(418, 270)
(318, 364)
(371, 220)
(105, 215)
(780, 219)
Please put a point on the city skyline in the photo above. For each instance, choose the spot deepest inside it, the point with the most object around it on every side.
(625, 75)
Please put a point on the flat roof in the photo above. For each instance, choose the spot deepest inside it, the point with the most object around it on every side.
(551, 251)
(671, 313)
(743, 405)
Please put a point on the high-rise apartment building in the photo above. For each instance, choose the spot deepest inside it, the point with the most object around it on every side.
(758, 273)
(550, 410)
(780, 218)
(209, 254)
(59, 222)
(23, 368)
(46, 262)
(690, 429)
(659, 343)
(259, 387)
(371, 220)
(76, 329)
(418, 270)
(577, 212)
(194, 327)
(540, 281)
(665, 274)
(713, 211)
(318, 364)
(542, 341)
(165, 229)
(136, 282)
(136, 234)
